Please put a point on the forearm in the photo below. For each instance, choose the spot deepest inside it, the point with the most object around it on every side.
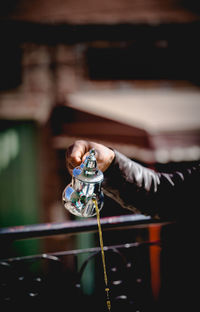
(144, 190)
(130, 184)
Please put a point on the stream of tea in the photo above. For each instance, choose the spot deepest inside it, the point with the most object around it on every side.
(107, 290)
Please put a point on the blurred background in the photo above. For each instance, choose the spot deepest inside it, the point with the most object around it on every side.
(123, 73)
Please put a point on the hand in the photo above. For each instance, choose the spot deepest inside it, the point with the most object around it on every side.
(77, 153)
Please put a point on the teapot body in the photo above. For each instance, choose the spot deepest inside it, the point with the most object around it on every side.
(85, 187)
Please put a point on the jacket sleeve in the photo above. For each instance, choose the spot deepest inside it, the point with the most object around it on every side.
(143, 190)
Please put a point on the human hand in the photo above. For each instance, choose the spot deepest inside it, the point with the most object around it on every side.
(77, 153)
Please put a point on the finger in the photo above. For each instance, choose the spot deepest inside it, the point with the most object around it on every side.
(78, 151)
(75, 154)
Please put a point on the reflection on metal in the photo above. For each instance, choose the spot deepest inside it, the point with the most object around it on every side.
(86, 185)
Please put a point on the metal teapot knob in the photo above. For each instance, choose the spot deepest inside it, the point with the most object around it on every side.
(78, 197)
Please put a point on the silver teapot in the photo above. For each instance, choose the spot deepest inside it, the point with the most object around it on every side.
(85, 187)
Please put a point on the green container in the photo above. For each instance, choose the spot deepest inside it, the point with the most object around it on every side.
(19, 190)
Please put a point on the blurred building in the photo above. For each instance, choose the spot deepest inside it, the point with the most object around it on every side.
(123, 73)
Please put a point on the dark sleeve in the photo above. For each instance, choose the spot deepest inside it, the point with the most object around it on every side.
(159, 194)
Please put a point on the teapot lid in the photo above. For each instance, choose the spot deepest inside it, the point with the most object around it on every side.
(88, 170)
